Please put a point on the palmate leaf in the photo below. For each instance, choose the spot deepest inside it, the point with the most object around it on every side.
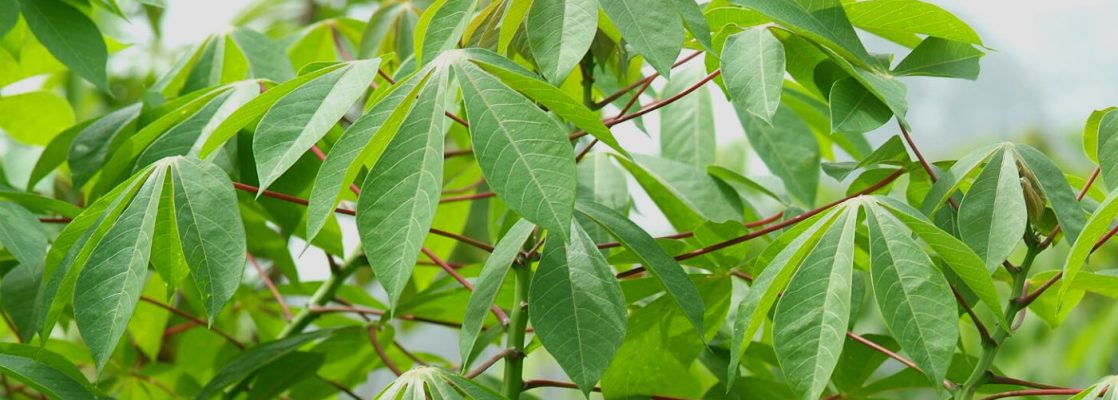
(913, 296)
(576, 307)
(298, 120)
(652, 27)
(662, 265)
(401, 192)
(559, 33)
(524, 155)
(994, 209)
(362, 141)
(71, 37)
(810, 323)
(488, 284)
(436, 384)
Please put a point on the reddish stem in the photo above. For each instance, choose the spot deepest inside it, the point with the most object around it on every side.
(271, 286)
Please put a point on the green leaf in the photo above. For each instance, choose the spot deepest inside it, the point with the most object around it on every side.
(9, 15)
(968, 266)
(363, 140)
(210, 229)
(245, 364)
(524, 155)
(265, 57)
(21, 235)
(824, 22)
(687, 125)
(383, 20)
(905, 18)
(1097, 226)
(1093, 128)
(892, 152)
(576, 307)
(687, 195)
(811, 318)
(46, 372)
(559, 33)
(35, 117)
(281, 374)
(696, 22)
(91, 146)
(783, 257)
(658, 262)
(401, 192)
(17, 294)
(1108, 149)
(950, 180)
(943, 58)
(995, 210)
(515, 12)
(652, 27)
(435, 383)
(913, 296)
(54, 154)
(488, 284)
(788, 148)
(602, 182)
(110, 283)
(301, 118)
(549, 96)
(71, 37)
(1056, 189)
(257, 107)
(753, 70)
(440, 27)
(854, 109)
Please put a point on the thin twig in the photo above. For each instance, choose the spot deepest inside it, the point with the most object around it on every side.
(380, 352)
(467, 197)
(271, 286)
(497, 311)
(193, 319)
(373, 311)
(488, 363)
(1036, 392)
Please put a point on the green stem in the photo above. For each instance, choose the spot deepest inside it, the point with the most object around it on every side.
(990, 348)
(518, 325)
(323, 295)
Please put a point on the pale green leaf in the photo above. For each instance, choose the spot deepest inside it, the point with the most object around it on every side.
(426, 382)
(810, 322)
(942, 58)
(489, 284)
(515, 12)
(1108, 149)
(994, 209)
(950, 180)
(652, 27)
(301, 118)
(854, 109)
(440, 27)
(524, 155)
(559, 33)
(687, 195)
(893, 18)
(658, 262)
(788, 148)
(576, 307)
(265, 57)
(602, 182)
(378, 29)
(35, 117)
(1092, 130)
(823, 21)
(692, 14)
(210, 229)
(71, 37)
(401, 192)
(1097, 226)
(687, 125)
(753, 71)
(110, 283)
(914, 298)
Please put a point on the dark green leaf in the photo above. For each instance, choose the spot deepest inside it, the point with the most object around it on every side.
(854, 109)
(70, 36)
(248, 362)
(652, 27)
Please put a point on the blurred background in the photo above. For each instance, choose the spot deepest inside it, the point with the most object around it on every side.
(1049, 65)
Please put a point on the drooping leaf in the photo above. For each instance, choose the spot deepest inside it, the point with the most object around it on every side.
(110, 283)
(71, 37)
(652, 27)
(811, 318)
(901, 20)
(440, 27)
(559, 33)
(524, 155)
(1097, 226)
(995, 210)
(789, 149)
(913, 296)
(488, 284)
(251, 360)
(401, 192)
(781, 260)
(210, 230)
(48, 373)
(753, 70)
(821, 21)
(687, 125)
(21, 235)
(941, 57)
(854, 109)
(302, 117)
(576, 307)
(662, 265)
